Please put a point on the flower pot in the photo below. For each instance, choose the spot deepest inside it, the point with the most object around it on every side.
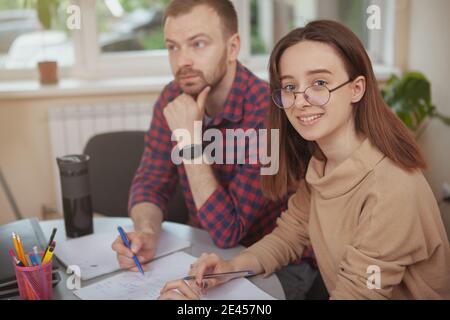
(48, 72)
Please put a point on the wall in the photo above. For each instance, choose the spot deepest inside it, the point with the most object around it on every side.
(25, 150)
(429, 52)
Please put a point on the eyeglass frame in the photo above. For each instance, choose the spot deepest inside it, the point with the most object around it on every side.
(295, 93)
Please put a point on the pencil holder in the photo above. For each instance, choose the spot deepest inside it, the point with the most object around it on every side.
(35, 283)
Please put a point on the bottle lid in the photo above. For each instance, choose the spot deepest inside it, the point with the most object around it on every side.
(72, 165)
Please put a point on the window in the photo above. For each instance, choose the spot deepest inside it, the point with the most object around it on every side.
(124, 38)
(23, 41)
(271, 19)
(130, 25)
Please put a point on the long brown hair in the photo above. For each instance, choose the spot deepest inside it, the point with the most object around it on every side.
(373, 118)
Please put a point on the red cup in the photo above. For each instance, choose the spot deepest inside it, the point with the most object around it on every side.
(35, 283)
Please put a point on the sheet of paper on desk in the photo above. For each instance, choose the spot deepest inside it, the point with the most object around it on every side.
(134, 286)
(94, 256)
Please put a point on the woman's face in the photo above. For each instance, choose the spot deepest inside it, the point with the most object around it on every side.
(311, 63)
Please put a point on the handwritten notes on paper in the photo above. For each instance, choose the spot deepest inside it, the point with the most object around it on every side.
(134, 286)
(94, 256)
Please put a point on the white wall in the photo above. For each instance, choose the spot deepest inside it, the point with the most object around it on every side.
(429, 52)
(25, 151)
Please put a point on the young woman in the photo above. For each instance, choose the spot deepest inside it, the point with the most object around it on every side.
(362, 201)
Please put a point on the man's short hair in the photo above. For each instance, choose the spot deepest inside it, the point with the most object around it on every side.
(224, 9)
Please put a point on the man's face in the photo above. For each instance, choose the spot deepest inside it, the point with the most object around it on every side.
(197, 49)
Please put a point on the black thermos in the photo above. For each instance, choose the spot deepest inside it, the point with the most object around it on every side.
(76, 196)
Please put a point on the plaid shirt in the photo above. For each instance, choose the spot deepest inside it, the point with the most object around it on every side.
(237, 212)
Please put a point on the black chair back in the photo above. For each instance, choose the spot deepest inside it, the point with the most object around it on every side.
(114, 159)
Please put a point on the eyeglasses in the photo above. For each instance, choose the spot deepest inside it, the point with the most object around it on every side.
(315, 95)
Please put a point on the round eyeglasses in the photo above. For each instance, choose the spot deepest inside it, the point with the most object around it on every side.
(315, 95)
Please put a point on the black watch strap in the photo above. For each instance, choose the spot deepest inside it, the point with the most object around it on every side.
(191, 152)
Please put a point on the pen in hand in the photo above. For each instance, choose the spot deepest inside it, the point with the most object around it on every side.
(128, 245)
(234, 274)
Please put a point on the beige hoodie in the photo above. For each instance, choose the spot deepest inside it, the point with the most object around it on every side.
(368, 215)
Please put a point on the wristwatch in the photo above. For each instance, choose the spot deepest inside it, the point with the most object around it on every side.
(191, 152)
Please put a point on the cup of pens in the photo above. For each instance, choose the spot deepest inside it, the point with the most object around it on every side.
(33, 271)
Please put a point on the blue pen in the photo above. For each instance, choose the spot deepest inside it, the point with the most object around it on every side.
(127, 244)
(37, 255)
(33, 259)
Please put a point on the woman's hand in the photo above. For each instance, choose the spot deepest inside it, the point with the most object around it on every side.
(208, 264)
(180, 290)
(195, 289)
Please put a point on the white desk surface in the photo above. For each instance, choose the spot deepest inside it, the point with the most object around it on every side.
(200, 240)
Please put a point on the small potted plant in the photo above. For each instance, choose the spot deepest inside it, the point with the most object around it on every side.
(47, 13)
(409, 97)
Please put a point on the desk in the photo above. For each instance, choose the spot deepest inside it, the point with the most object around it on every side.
(200, 240)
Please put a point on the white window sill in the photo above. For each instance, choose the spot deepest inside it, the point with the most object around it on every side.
(78, 87)
(72, 87)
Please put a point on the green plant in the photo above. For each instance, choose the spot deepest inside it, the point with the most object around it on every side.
(410, 98)
(154, 40)
(47, 11)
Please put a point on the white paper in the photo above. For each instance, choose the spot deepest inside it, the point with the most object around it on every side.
(94, 256)
(135, 286)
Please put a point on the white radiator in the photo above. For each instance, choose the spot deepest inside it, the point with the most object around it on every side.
(71, 127)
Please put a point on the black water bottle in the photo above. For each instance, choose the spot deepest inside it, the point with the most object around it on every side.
(76, 196)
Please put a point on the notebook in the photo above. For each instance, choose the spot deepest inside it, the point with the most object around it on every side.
(134, 286)
(94, 256)
(31, 235)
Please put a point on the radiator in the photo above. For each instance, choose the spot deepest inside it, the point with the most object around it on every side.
(71, 127)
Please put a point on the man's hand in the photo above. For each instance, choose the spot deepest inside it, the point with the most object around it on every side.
(182, 112)
(143, 245)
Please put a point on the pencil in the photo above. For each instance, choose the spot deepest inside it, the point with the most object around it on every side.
(234, 274)
(17, 247)
(52, 236)
(22, 253)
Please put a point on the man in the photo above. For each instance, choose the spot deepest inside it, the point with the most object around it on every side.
(213, 88)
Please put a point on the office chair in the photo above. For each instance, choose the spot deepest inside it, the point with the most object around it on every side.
(114, 159)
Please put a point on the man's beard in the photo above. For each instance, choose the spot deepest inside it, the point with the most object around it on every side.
(194, 87)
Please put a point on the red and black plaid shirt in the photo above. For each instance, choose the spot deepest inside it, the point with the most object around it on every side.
(237, 212)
